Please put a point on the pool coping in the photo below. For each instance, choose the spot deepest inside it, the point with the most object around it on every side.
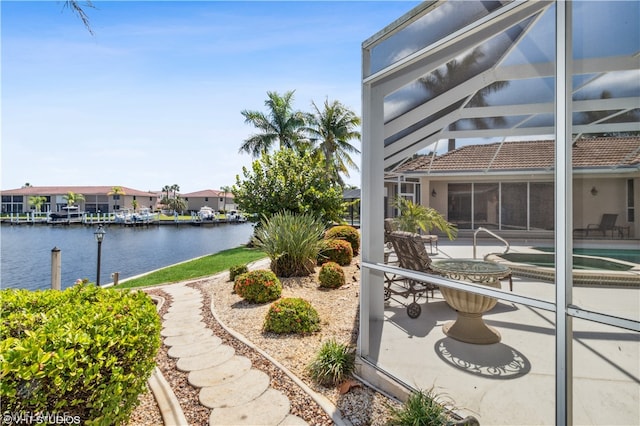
(581, 277)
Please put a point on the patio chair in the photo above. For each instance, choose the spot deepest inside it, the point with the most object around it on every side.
(390, 225)
(607, 223)
(412, 254)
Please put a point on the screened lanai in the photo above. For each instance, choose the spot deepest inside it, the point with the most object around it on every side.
(451, 74)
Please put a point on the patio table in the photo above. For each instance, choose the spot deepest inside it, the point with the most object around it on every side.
(469, 326)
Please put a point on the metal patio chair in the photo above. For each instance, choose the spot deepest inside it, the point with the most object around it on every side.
(412, 254)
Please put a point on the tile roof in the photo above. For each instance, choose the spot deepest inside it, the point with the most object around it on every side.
(206, 193)
(530, 155)
(84, 190)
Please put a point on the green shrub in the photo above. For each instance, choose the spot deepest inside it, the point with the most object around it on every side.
(338, 251)
(258, 286)
(85, 351)
(347, 233)
(333, 363)
(292, 315)
(421, 408)
(331, 275)
(236, 270)
(292, 242)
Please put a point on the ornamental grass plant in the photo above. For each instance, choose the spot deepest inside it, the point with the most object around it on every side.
(333, 363)
(421, 409)
(292, 242)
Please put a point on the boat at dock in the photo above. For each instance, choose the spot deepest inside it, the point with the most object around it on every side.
(69, 214)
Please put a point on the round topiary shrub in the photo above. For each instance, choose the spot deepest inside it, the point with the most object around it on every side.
(292, 315)
(331, 275)
(338, 251)
(347, 233)
(258, 286)
(236, 270)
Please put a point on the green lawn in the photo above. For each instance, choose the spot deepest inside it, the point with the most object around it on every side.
(197, 268)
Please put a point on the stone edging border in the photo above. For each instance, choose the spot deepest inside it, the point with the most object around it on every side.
(168, 403)
(322, 401)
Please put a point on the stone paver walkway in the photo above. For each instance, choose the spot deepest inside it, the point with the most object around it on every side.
(236, 393)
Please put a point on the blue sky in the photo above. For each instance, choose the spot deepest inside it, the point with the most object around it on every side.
(154, 97)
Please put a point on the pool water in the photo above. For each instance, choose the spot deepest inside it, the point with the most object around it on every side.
(626, 255)
(548, 260)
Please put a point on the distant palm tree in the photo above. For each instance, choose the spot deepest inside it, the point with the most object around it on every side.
(281, 124)
(72, 198)
(36, 201)
(177, 204)
(455, 73)
(134, 204)
(116, 190)
(333, 128)
(175, 188)
(225, 191)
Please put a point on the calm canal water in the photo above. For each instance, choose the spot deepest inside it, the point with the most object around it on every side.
(25, 251)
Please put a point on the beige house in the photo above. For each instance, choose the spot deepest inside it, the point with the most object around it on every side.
(97, 199)
(508, 186)
(217, 200)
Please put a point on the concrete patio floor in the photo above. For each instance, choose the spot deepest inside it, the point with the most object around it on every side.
(512, 382)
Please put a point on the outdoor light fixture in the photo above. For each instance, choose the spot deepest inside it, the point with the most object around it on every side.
(99, 234)
(433, 193)
(594, 191)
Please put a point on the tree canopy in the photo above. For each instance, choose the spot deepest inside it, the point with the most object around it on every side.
(288, 181)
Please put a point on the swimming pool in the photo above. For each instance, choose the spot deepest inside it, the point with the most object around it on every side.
(626, 255)
(587, 270)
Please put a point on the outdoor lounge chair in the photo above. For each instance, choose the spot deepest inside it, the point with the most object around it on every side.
(412, 254)
(390, 226)
(607, 223)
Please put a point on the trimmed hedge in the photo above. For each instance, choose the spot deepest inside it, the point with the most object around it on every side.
(258, 286)
(347, 233)
(85, 351)
(331, 275)
(237, 270)
(292, 315)
(338, 251)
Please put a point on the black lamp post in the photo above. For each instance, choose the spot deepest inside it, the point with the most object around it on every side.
(99, 234)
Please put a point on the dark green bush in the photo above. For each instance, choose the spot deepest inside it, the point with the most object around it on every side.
(86, 351)
(258, 286)
(236, 270)
(292, 315)
(333, 363)
(347, 233)
(331, 275)
(338, 251)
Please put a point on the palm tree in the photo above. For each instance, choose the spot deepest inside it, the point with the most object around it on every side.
(78, 10)
(225, 191)
(116, 190)
(175, 188)
(455, 73)
(177, 204)
(333, 128)
(36, 201)
(134, 204)
(72, 198)
(414, 217)
(281, 124)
